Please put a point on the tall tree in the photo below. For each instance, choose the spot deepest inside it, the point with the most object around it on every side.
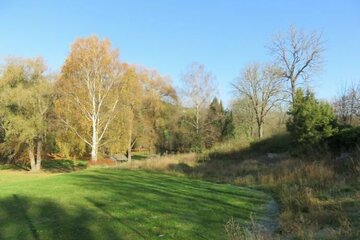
(219, 123)
(25, 100)
(243, 115)
(89, 90)
(158, 93)
(132, 101)
(198, 90)
(298, 54)
(214, 123)
(262, 86)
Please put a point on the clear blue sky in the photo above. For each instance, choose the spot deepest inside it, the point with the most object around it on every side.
(168, 35)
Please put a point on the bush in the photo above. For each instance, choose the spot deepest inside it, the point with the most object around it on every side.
(311, 121)
(347, 139)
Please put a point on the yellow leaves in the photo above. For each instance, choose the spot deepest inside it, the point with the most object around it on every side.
(25, 99)
(91, 56)
(19, 70)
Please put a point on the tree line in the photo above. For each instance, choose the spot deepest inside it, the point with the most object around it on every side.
(98, 106)
(312, 123)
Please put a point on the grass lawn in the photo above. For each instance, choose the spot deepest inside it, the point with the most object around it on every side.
(120, 204)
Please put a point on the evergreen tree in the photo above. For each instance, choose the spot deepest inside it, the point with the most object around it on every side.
(219, 123)
(311, 121)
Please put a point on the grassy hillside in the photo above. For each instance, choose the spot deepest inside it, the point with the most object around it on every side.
(120, 204)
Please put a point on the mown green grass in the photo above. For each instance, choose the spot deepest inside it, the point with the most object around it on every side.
(120, 204)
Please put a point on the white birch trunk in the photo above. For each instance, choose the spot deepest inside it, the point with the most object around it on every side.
(94, 144)
(38, 156)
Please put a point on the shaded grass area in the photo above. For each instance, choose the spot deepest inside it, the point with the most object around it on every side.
(54, 166)
(243, 150)
(11, 167)
(120, 204)
(140, 155)
(63, 165)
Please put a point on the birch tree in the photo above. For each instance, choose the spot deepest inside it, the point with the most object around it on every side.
(298, 54)
(198, 90)
(89, 90)
(262, 87)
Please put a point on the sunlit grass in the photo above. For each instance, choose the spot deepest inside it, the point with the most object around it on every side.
(120, 204)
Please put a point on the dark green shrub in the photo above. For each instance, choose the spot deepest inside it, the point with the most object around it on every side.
(346, 139)
(311, 121)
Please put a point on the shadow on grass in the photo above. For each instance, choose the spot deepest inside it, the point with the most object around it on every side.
(139, 156)
(13, 167)
(124, 204)
(35, 218)
(175, 207)
(55, 166)
(275, 144)
(102, 208)
(63, 165)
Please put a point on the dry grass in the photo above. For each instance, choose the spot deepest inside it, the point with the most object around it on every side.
(253, 231)
(171, 163)
(301, 188)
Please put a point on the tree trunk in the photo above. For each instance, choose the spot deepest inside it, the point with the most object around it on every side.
(131, 119)
(260, 130)
(94, 152)
(38, 156)
(197, 120)
(129, 152)
(94, 145)
(293, 90)
(32, 159)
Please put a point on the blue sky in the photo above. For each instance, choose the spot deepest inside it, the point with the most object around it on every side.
(168, 35)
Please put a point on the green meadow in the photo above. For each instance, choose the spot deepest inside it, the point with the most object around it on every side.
(121, 204)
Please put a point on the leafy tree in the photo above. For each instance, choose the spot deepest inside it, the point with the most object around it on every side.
(158, 95)
(311, 121)
(219, 123)
(213, 123)
(228, 127)
(89, 91)
(25, 101)
(169, 132)
(124, 131)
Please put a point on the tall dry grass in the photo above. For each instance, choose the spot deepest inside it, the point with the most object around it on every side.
(171, 163)
(253, 231)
